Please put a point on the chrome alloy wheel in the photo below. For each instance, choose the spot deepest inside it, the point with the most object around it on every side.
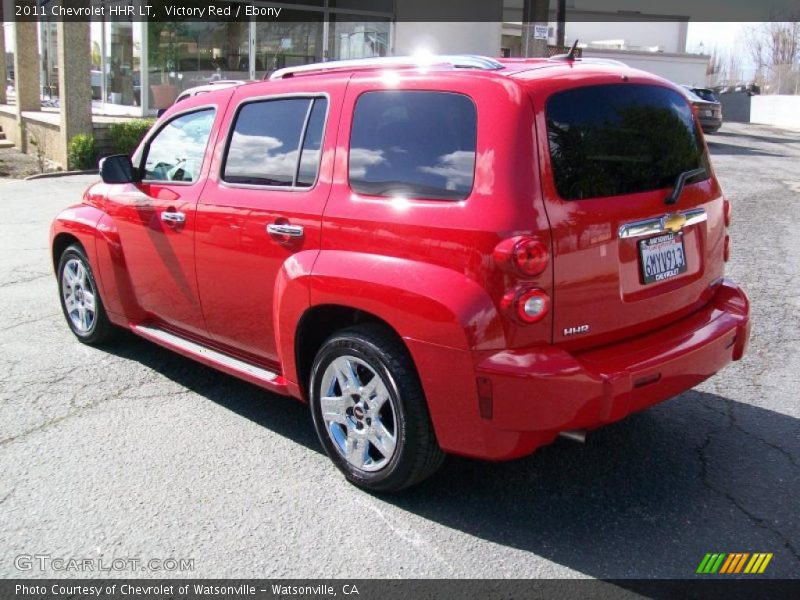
(79, 296)
(359, 413)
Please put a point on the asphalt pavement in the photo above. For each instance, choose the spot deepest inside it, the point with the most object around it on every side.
(131, 451)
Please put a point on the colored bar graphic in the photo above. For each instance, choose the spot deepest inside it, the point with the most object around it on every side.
(734, 562)
(740, 564)
(765, 563)
(718, 563)
(754, 563)
(703, 563)
(726, 565)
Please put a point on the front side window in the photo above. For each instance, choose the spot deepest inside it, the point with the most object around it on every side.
(413, 143)
(176, 152)
(609, 140)
(276, 143)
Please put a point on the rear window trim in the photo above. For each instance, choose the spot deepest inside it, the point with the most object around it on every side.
(379, 198)
(294, 188)
(549, 158)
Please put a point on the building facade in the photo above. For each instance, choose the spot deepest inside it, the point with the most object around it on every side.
(89, 73)
(139, 67)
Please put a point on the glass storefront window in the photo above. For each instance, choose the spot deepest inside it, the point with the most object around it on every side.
(287, 44)
(185, 55)
(122, 65)
(48, 55)
(96, 54)
(181, 55)
(350, 38)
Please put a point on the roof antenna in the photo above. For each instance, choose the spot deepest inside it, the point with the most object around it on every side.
(569, 55)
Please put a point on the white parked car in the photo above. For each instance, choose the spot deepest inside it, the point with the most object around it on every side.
(208, 87)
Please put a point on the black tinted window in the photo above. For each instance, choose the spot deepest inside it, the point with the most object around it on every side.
(265, 146)
(419, 144)
(176, 152)
(608, 140)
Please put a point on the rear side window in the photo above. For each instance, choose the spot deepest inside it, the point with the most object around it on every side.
(419, 144)
(609, 140)
(276, 143)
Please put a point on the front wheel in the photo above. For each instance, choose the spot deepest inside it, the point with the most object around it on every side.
(80, 299)
(370, 412)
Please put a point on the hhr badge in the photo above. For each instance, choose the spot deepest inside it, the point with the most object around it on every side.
(576, 330)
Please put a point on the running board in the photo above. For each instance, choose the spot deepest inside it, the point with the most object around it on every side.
(213, 358)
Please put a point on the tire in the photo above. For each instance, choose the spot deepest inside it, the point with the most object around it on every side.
(80, 299)
(375, 427)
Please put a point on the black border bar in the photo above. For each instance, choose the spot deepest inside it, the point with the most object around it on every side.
(721, 588)
(402, 10)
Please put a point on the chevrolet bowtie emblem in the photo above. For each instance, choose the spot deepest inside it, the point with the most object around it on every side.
(673, 223)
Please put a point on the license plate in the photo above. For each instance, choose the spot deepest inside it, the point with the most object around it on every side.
(662, 257)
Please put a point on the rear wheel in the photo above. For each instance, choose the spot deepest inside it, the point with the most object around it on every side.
(80, 299)
(370, 412)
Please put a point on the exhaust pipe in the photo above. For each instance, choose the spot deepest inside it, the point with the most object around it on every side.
(576, 435)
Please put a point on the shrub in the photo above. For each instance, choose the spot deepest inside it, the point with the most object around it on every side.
(82, 154)
(125, 137)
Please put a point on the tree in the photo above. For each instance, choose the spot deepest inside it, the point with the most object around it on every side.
(774, 49)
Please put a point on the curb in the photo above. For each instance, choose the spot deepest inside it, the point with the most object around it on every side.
(60, 174)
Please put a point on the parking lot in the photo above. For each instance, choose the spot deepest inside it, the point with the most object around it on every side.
(132, 451)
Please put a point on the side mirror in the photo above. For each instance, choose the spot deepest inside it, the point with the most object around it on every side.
(118, 169)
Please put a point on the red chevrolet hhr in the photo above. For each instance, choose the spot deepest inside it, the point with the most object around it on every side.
(464, 256)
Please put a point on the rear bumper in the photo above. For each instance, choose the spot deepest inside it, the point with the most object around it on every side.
(548, 390)
(710, 124)
(506, 404)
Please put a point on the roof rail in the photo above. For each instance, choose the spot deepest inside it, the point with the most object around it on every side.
(466, 61)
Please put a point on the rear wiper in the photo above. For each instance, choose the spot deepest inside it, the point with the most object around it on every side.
(680, 182)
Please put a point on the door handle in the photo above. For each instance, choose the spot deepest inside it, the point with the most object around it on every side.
(294, 231)
(173, 217)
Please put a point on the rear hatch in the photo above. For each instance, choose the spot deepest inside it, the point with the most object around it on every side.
(627, 259)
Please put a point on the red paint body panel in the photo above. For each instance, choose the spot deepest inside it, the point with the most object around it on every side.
(429, 268)
(548, 390)
(237, 261)
(594, 267)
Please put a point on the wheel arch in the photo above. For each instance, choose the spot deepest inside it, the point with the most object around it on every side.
(418, 301)
(320, 322)
(62, 241)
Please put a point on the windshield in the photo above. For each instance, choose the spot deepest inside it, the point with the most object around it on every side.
(610, 140)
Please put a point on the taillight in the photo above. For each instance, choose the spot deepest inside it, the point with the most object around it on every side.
(529, 305)
(527, 256)
(530, 256)
(727, 212)
(726, 252)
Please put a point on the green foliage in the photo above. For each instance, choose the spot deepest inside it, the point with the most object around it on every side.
(125, 137)
(82, 154)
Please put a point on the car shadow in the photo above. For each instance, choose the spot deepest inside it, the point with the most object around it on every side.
(769, 139)
(718, 148)
(647, 497)
(285, 416)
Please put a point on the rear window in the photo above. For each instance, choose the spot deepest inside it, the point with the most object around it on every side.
(419, 144)
(706, 95)
(610, 140)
